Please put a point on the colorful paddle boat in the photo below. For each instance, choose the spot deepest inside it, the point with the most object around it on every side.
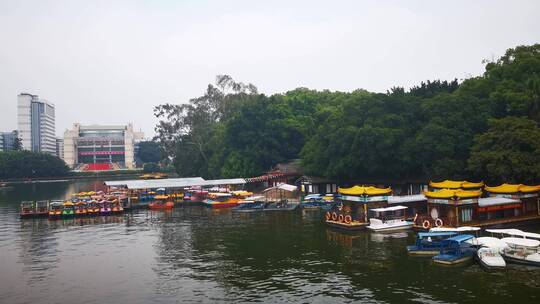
(27, 209)
(220, 200)
(69, 209)
(104, 207)
(80, 209)
(92, 208)
(117, 207)
(455, 250)
(428, 243)
(42, 209)
(161, 202)
(55, 209)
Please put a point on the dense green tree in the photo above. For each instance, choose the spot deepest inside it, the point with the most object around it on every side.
(26, 164)
(508, 152)
(148, 152)
(151, 167)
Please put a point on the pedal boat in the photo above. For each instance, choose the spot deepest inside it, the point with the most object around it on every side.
(455, 250)
(27, 210)
(429, 243)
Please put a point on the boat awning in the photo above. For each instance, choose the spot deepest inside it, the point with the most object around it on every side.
(406, 199)
(460, 238)
(458, 229)
(515, 232)
(493, 201)
(521, 242)
(487, 241)
(388, 209)
(435, 234)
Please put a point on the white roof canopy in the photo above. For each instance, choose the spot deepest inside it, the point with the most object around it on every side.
(492, 201)
(406, 199)
(389, 209)
(174, 183)
(515, 232)
(521, 242)
(286, 187)
(458, 229)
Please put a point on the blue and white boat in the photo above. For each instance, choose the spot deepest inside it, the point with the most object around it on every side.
(429, 243)
(252, 206)
(455, 250)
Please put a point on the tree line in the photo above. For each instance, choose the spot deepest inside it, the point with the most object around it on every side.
(482, 128)
(26, 164)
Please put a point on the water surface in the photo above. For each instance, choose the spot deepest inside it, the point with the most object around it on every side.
(194, 254)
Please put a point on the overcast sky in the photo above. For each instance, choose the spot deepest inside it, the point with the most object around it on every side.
(110, 62)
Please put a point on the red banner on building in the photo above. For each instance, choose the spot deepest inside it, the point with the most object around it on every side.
(102, 153)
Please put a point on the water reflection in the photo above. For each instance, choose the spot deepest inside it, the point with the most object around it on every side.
(195, 254)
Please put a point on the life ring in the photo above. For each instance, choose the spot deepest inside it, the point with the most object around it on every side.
(328, 216)
(415, 217)
(426, 224)
(334, 216)
(340, 217)
(348, 219)
(438, 222)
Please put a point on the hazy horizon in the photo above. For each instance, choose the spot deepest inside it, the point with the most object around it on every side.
(111, 63)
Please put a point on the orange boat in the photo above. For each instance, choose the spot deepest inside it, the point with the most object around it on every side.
(161, 202)
(117, 207)
(80, 209)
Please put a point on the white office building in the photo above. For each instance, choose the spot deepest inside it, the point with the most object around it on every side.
(36, 124)
(99, 147)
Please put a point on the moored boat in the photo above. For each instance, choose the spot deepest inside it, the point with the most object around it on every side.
(116, 207)
(455, 250)
(522, 251)
(42, 209)
(161, 202)
(389, 219)
(92, 208)
(80, 209)
(104, 207)
(220, 200)
(55, 209)
(27, 209)
(490, 258)
(69, 209)
(428, 243)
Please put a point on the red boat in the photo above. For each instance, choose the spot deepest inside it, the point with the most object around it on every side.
(162, 202)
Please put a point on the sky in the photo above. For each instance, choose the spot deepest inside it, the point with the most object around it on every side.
(111, 62)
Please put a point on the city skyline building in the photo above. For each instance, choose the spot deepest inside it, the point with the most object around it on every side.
(110, 146)
(36, 123)
(7, 140)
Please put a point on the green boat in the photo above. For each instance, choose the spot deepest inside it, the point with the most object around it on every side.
(69, 209)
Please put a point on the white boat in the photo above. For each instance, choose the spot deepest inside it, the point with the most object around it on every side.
(490, 258)
(515, 233)
(460, 230)
(521, 250)
(389, 219)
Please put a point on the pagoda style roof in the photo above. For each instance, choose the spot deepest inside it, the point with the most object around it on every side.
(450, 184)
(513, 188)
(363, 190)
(453, 193)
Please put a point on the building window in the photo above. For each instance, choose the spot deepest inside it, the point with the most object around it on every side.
(466, 214)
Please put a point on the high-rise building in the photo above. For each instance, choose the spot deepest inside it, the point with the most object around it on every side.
(36, 123)
(7, 140)
(101, 147)
(60, 148)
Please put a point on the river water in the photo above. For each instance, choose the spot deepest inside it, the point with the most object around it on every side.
(199, 255)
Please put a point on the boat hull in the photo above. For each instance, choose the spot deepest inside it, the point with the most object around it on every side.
(347, 227)
(389, 228)
(514, 260)
(415, 251)
(455, 261)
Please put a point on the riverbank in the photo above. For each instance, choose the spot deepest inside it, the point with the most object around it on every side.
(119, 174)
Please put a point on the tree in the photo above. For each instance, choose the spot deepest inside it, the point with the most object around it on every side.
(508, 152)
(151, 167)
(17, 144)
(26, 164)
(149, 152)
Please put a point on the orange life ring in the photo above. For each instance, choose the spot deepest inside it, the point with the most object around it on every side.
(426, 224)
(334, 216)
(340, 217)
(328, 216)
(438, 222)
(348, 219)
(415, 217)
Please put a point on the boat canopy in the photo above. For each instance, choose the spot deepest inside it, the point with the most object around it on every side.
(487, 241)
(459, 238)
(493, 201)
(422, 235)
(521, 242)
(68, 204)
(218, 194)
(174, 183)
(513, 188)
(450, 194)
(363, 190)
(458, 229)
(515, 232)
(160, 197)
(450, 184)
(389, 209)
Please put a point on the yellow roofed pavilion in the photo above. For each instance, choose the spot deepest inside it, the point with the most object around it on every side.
(363, 190)
(513, 188)
(449, 184)
(452, 193)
